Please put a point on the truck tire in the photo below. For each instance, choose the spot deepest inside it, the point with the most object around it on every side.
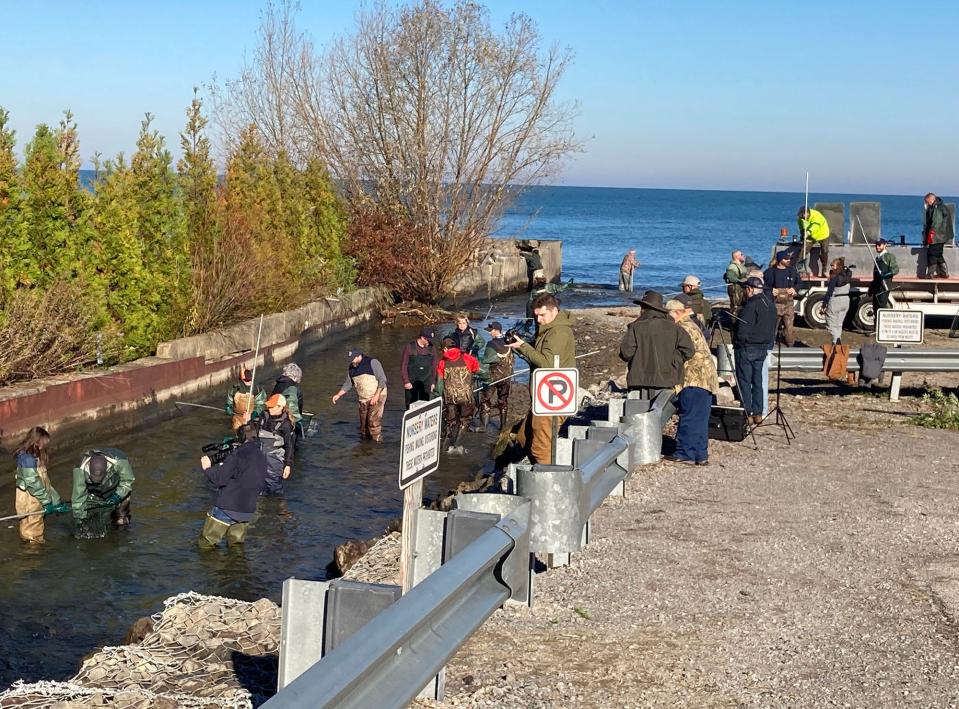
(812, 311)
(864, 317)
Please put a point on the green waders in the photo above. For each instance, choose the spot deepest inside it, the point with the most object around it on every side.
(214, 530)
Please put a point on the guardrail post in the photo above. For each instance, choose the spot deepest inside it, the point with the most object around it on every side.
(894, 386)
(556, 525)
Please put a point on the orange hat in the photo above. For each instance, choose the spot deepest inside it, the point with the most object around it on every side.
(276, 400)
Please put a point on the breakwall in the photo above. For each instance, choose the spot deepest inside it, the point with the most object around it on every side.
(74, 406)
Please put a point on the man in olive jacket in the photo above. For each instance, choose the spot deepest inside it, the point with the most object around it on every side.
(936, 233)
(654, 349)
(554, 338)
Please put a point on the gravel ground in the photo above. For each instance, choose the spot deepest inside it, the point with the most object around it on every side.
(822, 573)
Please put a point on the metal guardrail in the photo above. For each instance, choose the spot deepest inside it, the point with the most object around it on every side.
(388, 661)
(897, 360)
(396, 654)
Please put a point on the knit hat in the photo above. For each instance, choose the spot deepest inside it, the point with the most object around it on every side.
(276, 400)
(293, 371)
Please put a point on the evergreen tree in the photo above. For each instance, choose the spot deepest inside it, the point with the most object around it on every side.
(328, 224)
(197, 176)
(14, 244)
(162, 233)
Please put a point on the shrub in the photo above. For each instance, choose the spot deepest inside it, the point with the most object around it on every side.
(943, 410)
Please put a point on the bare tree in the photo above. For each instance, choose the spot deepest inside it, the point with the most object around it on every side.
(424, 112)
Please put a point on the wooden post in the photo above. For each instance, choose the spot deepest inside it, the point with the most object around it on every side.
(412, 500)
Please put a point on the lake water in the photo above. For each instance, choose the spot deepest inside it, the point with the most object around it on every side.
(675, 232)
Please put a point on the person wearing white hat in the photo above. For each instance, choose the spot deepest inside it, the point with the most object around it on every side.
(701, 307)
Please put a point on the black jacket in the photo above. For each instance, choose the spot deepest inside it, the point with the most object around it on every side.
(655, 348)
(283, 383)
(239, 479)
(756, 326)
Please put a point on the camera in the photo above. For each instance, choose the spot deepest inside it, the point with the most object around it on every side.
(218, 452)
(510, 337)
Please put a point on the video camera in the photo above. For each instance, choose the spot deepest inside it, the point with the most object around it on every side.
(511, 337)
(218, 452)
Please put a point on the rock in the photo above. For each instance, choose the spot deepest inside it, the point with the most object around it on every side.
(140, 629)
(348, 553)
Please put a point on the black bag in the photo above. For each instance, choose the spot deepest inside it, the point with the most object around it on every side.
(727, 423)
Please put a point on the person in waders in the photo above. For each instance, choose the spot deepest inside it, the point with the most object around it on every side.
(288, 384)
(498, 361)
(276, 440)
(237, 404)
(239, 479)
(35, 496)
(102, 488)
(366, 375)
(454, 381)
(418, 368)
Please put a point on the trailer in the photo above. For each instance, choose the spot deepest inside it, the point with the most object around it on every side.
(911, 290)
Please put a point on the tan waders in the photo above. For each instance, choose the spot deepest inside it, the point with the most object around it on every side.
(31, 528)
(214, 530)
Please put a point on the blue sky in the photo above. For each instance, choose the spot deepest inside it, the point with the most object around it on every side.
(744, 95)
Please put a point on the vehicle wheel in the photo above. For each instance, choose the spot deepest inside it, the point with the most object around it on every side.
(813, 312)
(864, 317)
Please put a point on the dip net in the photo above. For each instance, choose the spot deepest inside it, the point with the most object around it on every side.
(203, 651)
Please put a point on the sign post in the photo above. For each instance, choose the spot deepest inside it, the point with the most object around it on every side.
(554, 395)
(419, 457)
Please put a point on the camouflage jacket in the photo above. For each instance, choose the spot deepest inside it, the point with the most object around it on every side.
(700, 370)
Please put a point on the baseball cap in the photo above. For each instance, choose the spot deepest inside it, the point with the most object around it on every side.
(495, 325)
(882, 241)
(353, 353)
(276, 400)
(691, 280)
(427, 332)
(753, 282)
(449, 342)
(674, 304)
(782, 255)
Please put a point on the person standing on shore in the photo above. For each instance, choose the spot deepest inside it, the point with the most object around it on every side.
(102, 485)
(626, 268)
(700, 383)
(35, 497)
(836, 302)
(736, 273)
(237, 404)
(814, 229)
(754, 332)
(366, 375)
(936, 233)
(554, 339)
(884, 269)
(418, 367)
(654, 349)
(691, 287)
(783, 280)
(239, 480)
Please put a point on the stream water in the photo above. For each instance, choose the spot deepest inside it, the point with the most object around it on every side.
(64, 599)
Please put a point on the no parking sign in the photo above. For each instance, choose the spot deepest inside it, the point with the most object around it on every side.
(554, 391)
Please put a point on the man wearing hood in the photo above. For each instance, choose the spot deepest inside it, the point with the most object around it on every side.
(554, 339)
(936, 233)
(366, 375)
(454, 382)
(654, 348)
(102, 488)
(288, 384)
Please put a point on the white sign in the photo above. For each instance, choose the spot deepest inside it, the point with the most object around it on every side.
(420, 442)
(554, 392)
(899, 326)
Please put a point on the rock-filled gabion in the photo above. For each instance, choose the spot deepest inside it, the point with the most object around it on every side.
(204, 651)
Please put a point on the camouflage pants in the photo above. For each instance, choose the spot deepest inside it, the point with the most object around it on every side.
(456, 417)
(785, 314)
(502, 397)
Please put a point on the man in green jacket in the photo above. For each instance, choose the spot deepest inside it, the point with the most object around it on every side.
(102, 486)
(814, 229)
(554, 339)
(692, 289)
(736, 274)
(237, 404)
(936, 233)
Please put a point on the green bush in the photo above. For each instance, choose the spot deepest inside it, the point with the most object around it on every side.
(942, 410)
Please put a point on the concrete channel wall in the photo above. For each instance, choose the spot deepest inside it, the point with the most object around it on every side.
(139, 392)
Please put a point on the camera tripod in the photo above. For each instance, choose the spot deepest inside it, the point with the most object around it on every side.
(775, 411)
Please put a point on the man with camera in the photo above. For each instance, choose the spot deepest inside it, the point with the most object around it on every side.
(239, 480)
(554, 339)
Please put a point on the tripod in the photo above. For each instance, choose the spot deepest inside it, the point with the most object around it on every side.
(779, 420)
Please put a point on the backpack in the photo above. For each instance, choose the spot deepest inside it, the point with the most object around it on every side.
(457, 383)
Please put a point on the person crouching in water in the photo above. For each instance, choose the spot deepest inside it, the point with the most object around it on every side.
(277, 441)
(454, 381)
(102, 486)
(239, 479)
(35, 496)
